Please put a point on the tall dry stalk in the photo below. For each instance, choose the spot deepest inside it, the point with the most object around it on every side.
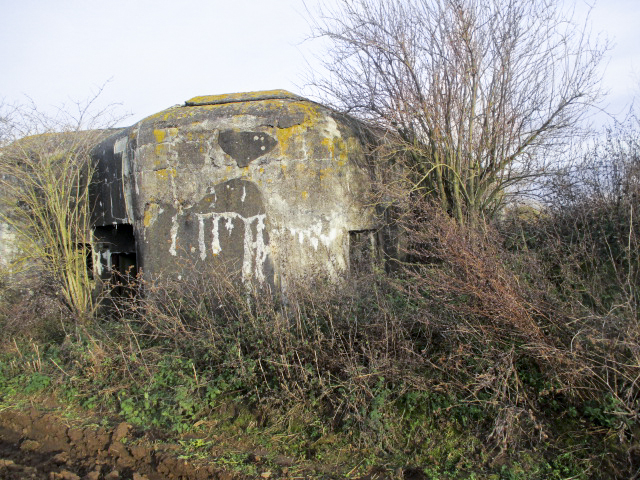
(46, 173)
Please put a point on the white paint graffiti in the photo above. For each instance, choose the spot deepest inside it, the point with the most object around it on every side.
(314, 235)
(255, 250)
(174, 235)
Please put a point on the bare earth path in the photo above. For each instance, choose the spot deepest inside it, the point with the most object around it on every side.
(36, 445)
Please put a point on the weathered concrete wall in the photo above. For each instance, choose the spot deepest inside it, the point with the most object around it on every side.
(8, 246)
(266, 184)
(10, 250)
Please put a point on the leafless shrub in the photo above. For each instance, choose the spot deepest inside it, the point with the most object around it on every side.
(587, 240)
(46, 173)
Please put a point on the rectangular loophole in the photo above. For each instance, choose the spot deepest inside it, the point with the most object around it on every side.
(115, 256)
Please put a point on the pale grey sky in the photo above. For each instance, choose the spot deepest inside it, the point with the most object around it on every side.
(619, 20)
(158, 53)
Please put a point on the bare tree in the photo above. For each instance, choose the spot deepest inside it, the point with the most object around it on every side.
(473, 93)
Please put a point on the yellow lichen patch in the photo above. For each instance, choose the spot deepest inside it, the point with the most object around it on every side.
(342, 149)
(240, 97)
(327, 143)
(305, 194)
(337, 148)
(147, 218)
(285, 135)
(173, 113)
(159, 135)
(150, 214)
(164, 173)
(229, 168)
(160, 149)
(289, 137)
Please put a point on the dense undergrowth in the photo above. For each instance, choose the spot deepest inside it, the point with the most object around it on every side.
(504, 350)
(471, 360)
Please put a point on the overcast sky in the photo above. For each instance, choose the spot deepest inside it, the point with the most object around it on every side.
(153, 54)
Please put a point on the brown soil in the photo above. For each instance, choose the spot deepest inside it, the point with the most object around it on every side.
(36, 445)
(42, 446)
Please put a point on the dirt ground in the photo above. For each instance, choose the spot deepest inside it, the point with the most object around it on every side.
(42, 446)
(36, 445)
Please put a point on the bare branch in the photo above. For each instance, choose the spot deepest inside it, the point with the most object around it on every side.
(477, 91)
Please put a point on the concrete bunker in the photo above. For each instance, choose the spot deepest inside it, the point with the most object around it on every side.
(267, 185)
